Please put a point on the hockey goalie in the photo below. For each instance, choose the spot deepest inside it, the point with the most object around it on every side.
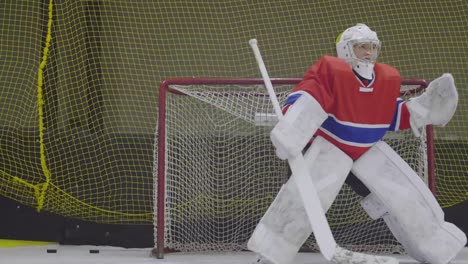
(341, 110)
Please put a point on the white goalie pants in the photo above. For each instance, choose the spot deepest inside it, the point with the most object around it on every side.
(285, 226)
(407, 206)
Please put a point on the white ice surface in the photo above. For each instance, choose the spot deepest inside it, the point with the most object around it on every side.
(114, 255)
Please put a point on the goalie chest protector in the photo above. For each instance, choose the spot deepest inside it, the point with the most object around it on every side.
(358, 115)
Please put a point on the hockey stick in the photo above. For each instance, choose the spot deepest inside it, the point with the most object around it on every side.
(322, 232)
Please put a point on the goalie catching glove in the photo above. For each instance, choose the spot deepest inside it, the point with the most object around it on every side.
(297, 126)
(435, 106)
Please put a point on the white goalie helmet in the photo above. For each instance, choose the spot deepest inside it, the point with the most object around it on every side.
(359, 46)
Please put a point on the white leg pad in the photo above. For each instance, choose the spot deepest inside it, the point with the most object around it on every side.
(414, 216)
(438, 247)
(285, 226)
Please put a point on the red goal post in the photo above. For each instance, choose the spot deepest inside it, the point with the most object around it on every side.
(182, 87)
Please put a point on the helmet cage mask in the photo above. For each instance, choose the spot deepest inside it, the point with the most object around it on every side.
(365, 50)
(360, 48)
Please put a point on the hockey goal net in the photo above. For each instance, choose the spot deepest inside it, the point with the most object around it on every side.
(216, 171)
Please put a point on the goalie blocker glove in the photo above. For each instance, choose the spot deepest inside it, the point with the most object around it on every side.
(298, 125)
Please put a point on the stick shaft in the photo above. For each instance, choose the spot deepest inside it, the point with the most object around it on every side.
(307, 190)
(266, 79)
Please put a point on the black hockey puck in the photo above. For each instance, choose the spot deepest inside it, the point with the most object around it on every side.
(51, 251)
(94, 251)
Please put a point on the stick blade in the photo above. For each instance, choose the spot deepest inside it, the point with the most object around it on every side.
(344, 256)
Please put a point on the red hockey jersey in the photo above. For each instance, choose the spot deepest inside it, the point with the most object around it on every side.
(358, 115)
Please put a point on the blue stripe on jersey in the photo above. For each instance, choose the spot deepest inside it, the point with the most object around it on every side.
(354, 133)
(395, 125)
(292, 98)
